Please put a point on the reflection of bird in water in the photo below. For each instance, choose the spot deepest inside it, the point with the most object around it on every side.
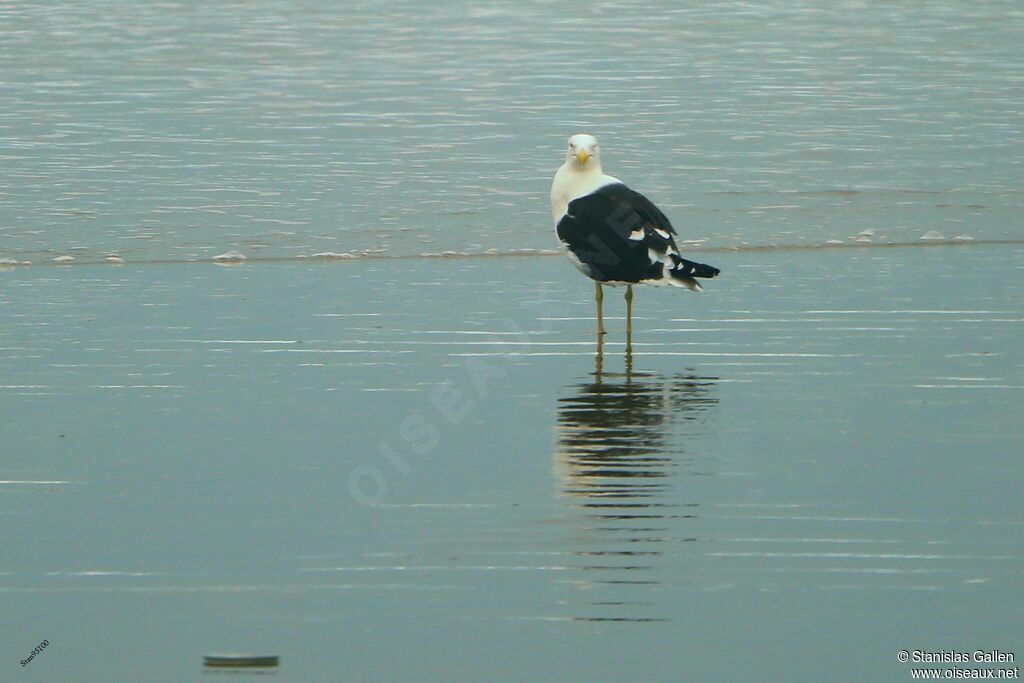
(621, 437)
(614, 436)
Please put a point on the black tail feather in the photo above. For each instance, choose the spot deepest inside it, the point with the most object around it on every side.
(686, 268)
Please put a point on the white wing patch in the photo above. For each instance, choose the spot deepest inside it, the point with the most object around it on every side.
(664, 259)
(637, 234)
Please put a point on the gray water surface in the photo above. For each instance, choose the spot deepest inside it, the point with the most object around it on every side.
(180, 130)
(426, 469)
(426, 472)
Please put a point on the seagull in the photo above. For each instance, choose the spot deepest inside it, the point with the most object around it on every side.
(615, 235)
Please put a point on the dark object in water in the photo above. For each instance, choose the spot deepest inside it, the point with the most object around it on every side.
(240, 661)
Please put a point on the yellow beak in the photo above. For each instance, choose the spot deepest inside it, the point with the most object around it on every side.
(582, 156)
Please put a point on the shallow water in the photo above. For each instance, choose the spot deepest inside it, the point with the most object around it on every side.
(421, 470)
(180, 130)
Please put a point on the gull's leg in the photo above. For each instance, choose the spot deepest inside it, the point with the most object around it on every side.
(629, 318)
(599, 298)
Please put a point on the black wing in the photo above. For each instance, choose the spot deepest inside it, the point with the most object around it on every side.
(619, 235)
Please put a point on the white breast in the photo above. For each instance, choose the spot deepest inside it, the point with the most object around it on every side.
(570, 183)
